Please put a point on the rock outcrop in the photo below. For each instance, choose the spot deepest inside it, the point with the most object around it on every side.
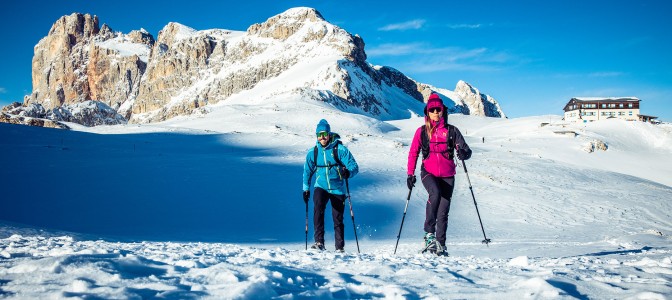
(478, 104)
(80, 61)
(87, 113)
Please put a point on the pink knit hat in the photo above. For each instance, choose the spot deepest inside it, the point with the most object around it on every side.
(434, 101)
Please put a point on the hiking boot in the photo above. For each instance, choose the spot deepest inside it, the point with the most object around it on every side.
(430, 242)
(340, 251)
(318, 246)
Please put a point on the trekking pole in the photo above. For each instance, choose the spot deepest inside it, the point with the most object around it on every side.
(347, 187)
(486, 240)
(402, 219)
(306, 225)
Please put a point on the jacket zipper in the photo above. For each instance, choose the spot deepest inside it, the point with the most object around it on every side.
(326, 170)
(438, 155)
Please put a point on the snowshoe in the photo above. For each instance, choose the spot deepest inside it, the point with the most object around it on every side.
(317, 247)
(340, 251)
(430, 243)
(440, 250)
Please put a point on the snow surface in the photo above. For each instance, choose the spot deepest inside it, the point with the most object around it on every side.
(125, 47)
(209, 206)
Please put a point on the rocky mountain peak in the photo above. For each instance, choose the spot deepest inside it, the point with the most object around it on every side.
(76, 26)
(174, 32)
(284, 25)
(141, 37)
(479, 104)
(466, 87)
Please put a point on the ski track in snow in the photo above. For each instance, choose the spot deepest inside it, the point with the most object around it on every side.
(202, 207)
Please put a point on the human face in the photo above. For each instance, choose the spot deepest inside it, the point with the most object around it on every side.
(435, 113)
(323, 138)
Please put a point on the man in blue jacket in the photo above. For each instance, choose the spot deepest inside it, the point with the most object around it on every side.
(333, 163)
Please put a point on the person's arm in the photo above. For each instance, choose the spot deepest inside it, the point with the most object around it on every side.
(308, 170)
(463, 151)
(348, 160)
(414, 152)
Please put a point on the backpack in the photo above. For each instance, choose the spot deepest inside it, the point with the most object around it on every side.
(450, 141)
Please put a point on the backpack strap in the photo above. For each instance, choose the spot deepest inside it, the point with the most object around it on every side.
(336, 158)
(335, 154)
(450, 141)
(424, 143)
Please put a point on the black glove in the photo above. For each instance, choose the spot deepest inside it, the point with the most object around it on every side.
(306, 196)
(463, 154)
(345, 173)
(410, 181)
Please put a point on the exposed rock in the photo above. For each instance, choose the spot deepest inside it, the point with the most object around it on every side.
(595, 145)
(21, 120)
(392, 77)
(478, 104)
(568, 133)
(88, 113)
(76, 63)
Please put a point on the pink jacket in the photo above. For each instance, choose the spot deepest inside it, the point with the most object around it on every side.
(438, 163)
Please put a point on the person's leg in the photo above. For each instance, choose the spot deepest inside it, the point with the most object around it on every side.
(446, 186)
(337, 210)
(431, 185)
(320, 198)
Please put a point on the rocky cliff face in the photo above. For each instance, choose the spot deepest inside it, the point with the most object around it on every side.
(477, 103)
(79, 61)
(148, 80)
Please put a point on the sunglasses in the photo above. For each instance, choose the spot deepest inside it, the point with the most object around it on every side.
(435, 110)
(323, 134)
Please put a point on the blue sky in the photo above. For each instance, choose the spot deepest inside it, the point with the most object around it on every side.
(532, 56)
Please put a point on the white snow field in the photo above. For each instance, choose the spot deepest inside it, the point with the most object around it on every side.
(209, 206)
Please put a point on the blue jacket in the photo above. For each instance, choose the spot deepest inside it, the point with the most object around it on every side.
(327, 171)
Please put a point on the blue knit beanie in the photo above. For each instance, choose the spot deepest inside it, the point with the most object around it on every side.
(323, 125)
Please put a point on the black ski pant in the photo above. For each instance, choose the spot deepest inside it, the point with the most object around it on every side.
(320, 199)
(440, 191)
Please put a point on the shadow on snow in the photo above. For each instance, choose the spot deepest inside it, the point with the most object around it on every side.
(156, 186)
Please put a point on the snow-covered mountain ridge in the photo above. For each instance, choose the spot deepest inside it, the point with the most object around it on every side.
(185, 70)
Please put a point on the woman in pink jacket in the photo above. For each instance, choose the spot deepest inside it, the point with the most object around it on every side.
(438, 141)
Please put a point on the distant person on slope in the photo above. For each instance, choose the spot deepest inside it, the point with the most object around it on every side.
(333, 163)
(437, 140)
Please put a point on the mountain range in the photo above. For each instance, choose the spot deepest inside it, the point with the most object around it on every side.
(89, 74)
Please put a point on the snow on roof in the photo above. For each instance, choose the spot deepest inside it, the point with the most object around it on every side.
(606, 99)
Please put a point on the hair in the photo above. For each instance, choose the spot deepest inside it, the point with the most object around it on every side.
(429, 128)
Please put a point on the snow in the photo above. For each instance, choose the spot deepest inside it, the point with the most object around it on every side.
(126, 48)
(605, 98)
(208, 206)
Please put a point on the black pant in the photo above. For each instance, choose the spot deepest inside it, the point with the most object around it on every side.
(320, 198)
(440, 191)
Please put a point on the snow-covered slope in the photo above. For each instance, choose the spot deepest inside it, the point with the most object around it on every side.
(209, 206)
